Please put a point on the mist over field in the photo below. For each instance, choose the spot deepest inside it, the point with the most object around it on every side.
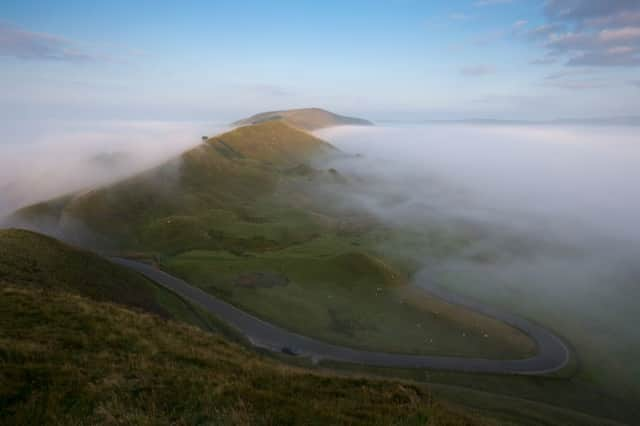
(585, 177)
(548, 215)
(543, 219)
(45, 159)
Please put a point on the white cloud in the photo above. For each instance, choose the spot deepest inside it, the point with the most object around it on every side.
(620, 34)
(482, 3)
(590, 32)
(477, 70)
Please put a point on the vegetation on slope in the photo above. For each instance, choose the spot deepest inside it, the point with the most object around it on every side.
(236, 215)
(348, 298)
(69, 356)
(69, 359)
(36, 261)
(242, 203)
(227, 172)
(306, 119)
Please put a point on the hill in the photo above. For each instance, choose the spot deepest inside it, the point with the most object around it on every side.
(245, 203)
(71, 353)
(38, 262)
(306, 119)
(226, 173)
(242, 216)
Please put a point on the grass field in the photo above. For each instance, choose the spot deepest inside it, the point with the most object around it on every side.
(83, 341)
(35, 261)
(66, 359)
(349, 298)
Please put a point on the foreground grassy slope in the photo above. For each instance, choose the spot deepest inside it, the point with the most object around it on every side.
(66, 359)
(35, 261)
(305, 118)
(70, 359)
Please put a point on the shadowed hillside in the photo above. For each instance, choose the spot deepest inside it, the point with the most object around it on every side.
(38, 262)
(70, 356)
(307, 119)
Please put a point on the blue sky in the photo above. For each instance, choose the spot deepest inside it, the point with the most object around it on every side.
(383, 59)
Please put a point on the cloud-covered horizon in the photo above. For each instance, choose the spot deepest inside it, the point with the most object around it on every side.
(63, 157)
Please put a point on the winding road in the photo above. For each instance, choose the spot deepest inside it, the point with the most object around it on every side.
(552, 354)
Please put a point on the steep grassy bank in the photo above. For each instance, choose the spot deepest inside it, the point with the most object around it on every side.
(35, 261)
(67, 359)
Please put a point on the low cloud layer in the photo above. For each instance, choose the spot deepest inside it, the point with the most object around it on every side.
(548, 215)
(529, 172)
(49, 159)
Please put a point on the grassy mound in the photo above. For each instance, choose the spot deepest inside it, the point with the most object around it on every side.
(306, 118)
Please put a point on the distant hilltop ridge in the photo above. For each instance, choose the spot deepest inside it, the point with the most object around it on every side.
(306, 119)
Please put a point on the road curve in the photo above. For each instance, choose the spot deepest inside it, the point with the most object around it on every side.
(552, 353)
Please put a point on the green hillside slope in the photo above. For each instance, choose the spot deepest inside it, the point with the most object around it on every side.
(226, 173)
(68, 360)
(243, 204)
(68, 355)
(38, 262)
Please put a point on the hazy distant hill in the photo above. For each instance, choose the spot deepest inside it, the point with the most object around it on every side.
(306, 118)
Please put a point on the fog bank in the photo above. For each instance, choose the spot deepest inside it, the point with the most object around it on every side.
(44, 159)
(520, 174)
(548, 216)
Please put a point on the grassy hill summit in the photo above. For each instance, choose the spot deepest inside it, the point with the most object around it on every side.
(305, 118)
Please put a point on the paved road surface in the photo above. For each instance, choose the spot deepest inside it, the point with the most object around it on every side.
(552, 354)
